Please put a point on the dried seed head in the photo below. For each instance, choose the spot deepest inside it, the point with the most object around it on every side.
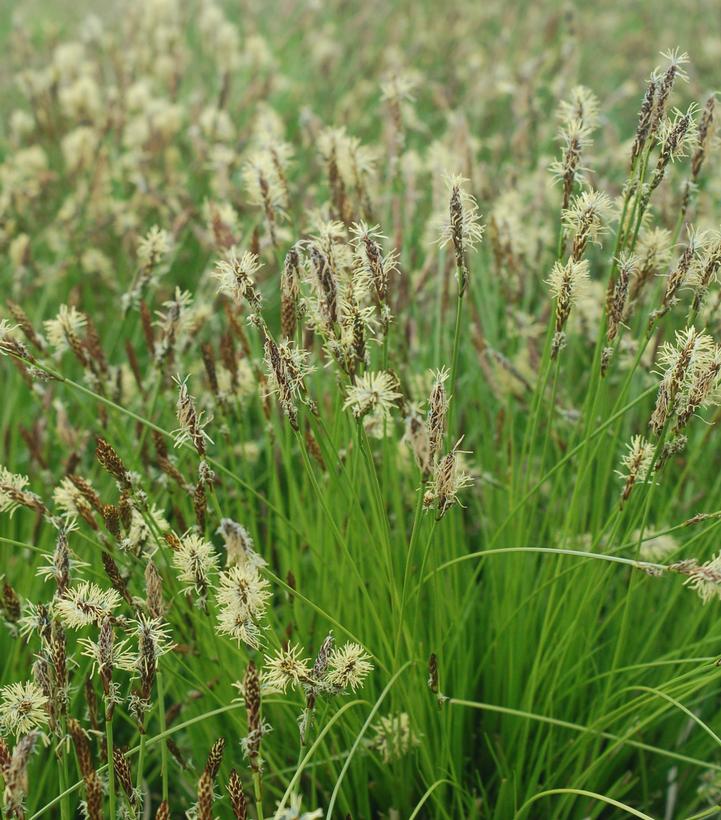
(581, 106)
(372, 265)
(575, 137)
(287, 367)
(705, 132)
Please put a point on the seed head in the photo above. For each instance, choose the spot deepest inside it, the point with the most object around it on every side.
(242, 600)
(86, 604)
(190, 421)
(23, 707)
(348, 667)
(236, 279)
(287, 667)
(237, 796)
(447, 481)
(636, 463)
(373, 392)
(196, 560)
(64, 331)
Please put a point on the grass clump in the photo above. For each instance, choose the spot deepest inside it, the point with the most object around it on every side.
(360, 389)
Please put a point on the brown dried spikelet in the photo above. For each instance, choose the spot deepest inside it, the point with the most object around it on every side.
(215, 758)
(251, 694)
(123, 774)
(237, 796)
(10, 604)
(154, 590)
(163, 812)
(25, 324)
(93, 789)
(200, 504)
(289, 293)
(112, 462)
(115, 578)
(84, 487)
(205, 797)
(111, 517)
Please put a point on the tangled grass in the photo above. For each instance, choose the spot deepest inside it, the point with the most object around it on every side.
(360, 381)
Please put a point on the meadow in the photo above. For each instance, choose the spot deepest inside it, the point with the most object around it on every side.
(360, 372)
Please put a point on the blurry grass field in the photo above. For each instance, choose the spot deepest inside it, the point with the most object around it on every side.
(359, 400)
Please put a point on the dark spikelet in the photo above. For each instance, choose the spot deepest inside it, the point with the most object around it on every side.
(314, 448)
(163, 812)
(91, 702)
(208, 355)
(251, 690)
(93, 789)
(10, 604)
(123, 774)
(116, 579)
(85, 489)
(237, 797)
(25, 324)
(154, 590)
(205, 797)
(433, 673)
(105, 670)
(289, 293)
(111, 517)
(112, 462)
(200, 504)
(58, 646)
(6, 758)
(215, 758)
(147, 323)
(644, 119)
